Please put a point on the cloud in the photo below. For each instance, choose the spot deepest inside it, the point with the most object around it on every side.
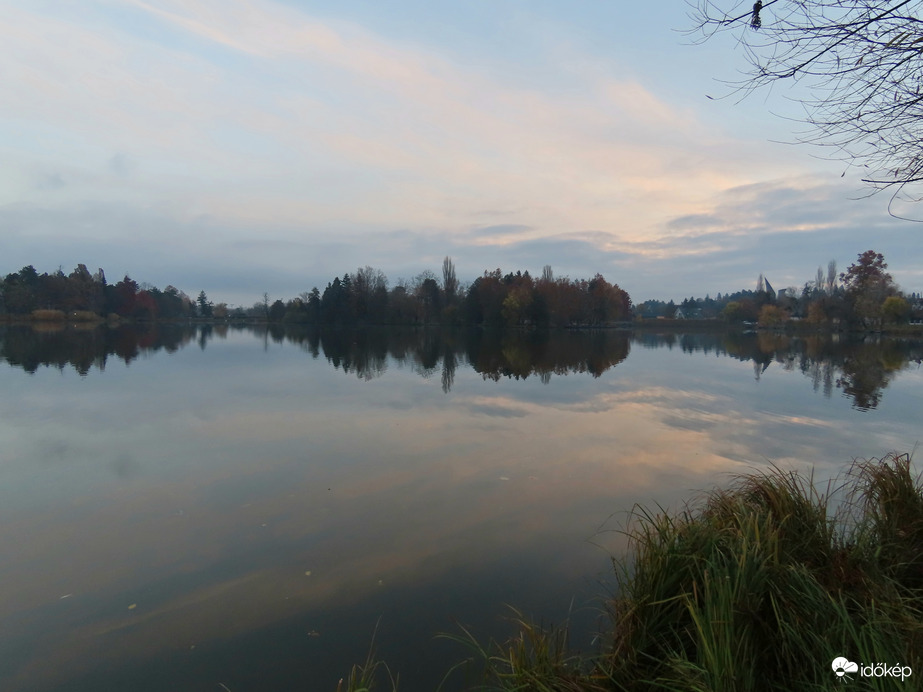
(330, 121)
(691, 222)
(500, 231)
(494, 407)
(251, 138)
(50, 181)
(122, 165)
(237, 261)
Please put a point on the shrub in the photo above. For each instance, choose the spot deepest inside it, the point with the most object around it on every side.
(84, 316)
(772, 316)
(48, 315)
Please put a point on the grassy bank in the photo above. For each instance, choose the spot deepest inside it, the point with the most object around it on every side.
(758, 586)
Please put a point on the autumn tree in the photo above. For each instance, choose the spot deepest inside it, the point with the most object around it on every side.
(517, 305)
(606, 302)
(867, 285)
(895, 310)
(772, 316)
(744, 310)
(145, 307)
(121, 297)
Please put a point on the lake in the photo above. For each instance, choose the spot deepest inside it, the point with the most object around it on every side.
(191, 508)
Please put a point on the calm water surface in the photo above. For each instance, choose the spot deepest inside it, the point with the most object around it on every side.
(188, 508)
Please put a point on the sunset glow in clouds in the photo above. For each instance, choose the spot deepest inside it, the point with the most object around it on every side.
(243, 147)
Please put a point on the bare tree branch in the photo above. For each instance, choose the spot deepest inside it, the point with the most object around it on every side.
(860, 63)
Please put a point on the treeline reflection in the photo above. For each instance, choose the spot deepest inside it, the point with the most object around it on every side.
(861, 369)
(493, 354)
(31, 348)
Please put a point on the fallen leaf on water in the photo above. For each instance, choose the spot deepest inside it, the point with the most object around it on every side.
(313, 633)
(133, 606)
(67, 595)
(308, 573)
(504, 478)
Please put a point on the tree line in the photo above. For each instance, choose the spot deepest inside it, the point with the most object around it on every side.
(360, 298)
(84, 296)
(492, 299)
(864, 296)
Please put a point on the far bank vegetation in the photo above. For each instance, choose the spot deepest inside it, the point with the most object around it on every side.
(864, 297)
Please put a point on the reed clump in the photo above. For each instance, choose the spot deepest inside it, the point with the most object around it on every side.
(537, 659)
(373, 675)
(757, 586)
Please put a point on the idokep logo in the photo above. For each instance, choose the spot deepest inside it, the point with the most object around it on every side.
(843, 667)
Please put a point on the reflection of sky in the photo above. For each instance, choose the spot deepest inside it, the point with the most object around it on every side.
(780, 417)
(203, 486)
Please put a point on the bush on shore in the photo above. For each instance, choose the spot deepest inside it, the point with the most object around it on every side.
(765, 583)
(48, 315)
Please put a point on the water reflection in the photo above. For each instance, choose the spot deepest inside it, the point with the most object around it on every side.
(242, 493)
(862, 368)
(83, 349)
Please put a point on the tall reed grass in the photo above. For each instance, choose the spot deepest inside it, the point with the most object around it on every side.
(757, 586)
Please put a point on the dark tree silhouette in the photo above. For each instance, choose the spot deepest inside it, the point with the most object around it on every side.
(860, 63)
(867, 285)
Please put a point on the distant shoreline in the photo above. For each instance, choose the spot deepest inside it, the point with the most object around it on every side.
(792, 328)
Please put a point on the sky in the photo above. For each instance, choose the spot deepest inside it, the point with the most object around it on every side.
(250, 146)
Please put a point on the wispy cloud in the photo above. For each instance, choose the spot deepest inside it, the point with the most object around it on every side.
(257, 120)
(315, 99)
